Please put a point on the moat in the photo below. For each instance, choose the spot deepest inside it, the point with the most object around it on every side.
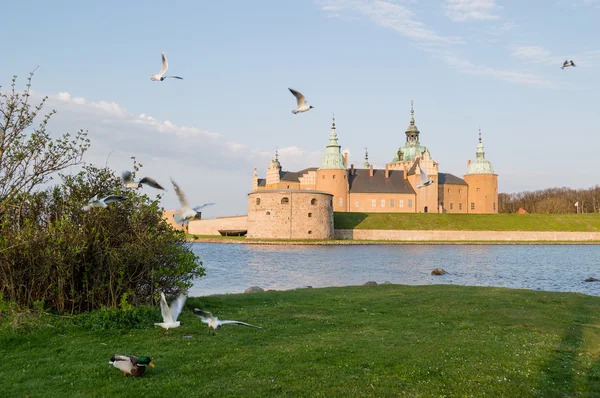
(231, 268)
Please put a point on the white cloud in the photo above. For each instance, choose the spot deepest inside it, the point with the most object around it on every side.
(105, 107)
(530, 52)
(467, 10)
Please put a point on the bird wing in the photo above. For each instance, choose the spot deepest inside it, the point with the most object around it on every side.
(92, 200)
(177, 306)
(182, 199)
(176, 77)
(239, 323)
(124, 358)
(198, 208)
(572, 63)
(114, 198)
(151, 182)
(127, 176)
(299, 97)
(165, 310)
(205, 316)
(165, 64)
(424, 177)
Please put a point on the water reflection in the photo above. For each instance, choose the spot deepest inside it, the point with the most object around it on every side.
(231, 268)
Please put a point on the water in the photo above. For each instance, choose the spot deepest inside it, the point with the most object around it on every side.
(231, 268)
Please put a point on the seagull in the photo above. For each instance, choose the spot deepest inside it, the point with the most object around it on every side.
(302, 106)
(566, 64)
(170, 314)
(165, 66)
(95, 202)
(424, 178)
(187, 213)
(129, 183)
(215, 323)
(130, 364)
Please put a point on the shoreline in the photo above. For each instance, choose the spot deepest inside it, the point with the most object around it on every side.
(385, 242)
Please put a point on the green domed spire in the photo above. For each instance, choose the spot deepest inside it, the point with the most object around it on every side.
(412, 149)
(333, 158)
(480, 165)
(366, 164)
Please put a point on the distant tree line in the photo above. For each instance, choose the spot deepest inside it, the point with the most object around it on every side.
(551, 201)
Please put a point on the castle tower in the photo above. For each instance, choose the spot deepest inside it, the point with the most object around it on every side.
(332, 176)
(274, 173)
(412, 148)
(483, 183)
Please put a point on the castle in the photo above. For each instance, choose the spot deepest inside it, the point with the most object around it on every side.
(397, 188)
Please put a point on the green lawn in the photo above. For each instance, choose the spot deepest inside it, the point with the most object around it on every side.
(388, 340)
(472, 222)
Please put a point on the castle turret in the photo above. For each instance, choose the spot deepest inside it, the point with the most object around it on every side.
(483, 183)
(332, 176)
(412, 148)
(274, 172)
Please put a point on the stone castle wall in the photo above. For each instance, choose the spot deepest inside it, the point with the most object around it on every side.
(211, 226)
(287, 214)
(442, 236)
(483, 193)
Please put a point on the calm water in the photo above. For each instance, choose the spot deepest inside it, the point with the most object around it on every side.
(231, 268)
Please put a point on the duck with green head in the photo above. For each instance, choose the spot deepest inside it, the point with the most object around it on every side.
(130, 364)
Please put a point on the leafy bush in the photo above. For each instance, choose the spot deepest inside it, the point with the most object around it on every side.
(76, 261)
(116, 319)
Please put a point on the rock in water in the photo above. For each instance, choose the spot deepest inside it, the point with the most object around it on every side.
(591, 279)
(438, 271)
(254, 289)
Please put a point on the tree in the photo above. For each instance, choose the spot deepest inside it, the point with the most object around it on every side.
(29, 156)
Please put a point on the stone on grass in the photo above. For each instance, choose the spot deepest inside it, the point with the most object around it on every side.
(254, 289)
(370, 283)
(438, 271)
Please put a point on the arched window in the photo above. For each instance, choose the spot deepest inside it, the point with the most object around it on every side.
(309, 232)
(257, 201)
(268, 213)
(285, 201)
(313, 201)
(309, 215)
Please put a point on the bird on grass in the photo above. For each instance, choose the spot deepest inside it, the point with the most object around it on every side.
(187, 213)
(425, 181)
(214, 322)
(130, 364)
(163, 69)
(95, 202)
(566, 64)
(127, 177)
(170, 314)
(302, 106)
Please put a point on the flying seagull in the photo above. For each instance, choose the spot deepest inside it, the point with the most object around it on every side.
(302, 106)
(424, 178)
(129, 183)
(130, 364)
(214, 322)
(566, 64)
(163, 69)
(170, 314)
(187, 212)
(95, 202)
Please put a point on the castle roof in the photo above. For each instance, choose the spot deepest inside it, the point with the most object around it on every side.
(333, 158)
(362, 182)
(450, 179)
(294, 175)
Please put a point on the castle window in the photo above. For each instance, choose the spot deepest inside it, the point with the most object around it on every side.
(410, 203)
(268, 213)
(285, 201)
(448, 190)
(333, 176)
(340, 201)
(451, 206)
(477, 189)
(401, 203)
(313, 201)
(309, 215)
(344, 176)
(357, 203)
(382, 205)
(460, 191)
(288, 187)
(460, 206)
(494, 205)
(391, 202)
(472, 206)
(373, 203)
(257, 201)
(309, 232)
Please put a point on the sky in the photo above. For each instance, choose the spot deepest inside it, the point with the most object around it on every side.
(467, 64)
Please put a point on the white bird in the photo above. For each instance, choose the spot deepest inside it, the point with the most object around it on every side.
(566, 64)
(302, 106)
(214, 322)
(424, 178)
(129, 183)
(163, 69)
(95, 202)
(187, 212)
(170, 314)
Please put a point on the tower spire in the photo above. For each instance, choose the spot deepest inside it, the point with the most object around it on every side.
(366, 164)
(333, 158)
(276, 154)
(479, 134)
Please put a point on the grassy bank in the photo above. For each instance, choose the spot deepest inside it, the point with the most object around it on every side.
(469, 222)
(387, 340)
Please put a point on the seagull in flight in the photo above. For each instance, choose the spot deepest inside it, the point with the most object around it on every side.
(170, 314)
(424, 178)
(187, 212)
(302, 106)
(95, 202)
(129, 183)
(566, 64)
(163, 69)
(214, 322)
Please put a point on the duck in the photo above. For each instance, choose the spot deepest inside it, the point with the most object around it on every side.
(130, 364)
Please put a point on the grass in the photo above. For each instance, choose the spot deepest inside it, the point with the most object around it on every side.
(469, 222)
(388, 340)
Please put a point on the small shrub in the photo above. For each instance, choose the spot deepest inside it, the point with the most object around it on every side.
(115, 319)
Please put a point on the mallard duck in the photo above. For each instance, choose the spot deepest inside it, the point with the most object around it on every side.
(130, 364)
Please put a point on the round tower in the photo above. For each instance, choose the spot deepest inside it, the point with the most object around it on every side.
(332, 176)
(482, 195)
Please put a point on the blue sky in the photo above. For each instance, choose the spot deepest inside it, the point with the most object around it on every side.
(466, 63)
